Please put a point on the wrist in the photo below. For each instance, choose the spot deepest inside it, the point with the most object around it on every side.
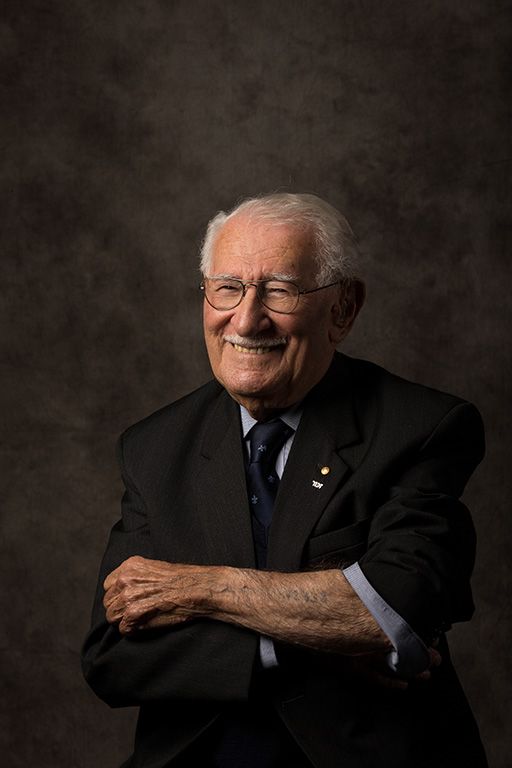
(215, 590)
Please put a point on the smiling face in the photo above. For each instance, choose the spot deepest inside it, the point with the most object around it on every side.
(268, 361)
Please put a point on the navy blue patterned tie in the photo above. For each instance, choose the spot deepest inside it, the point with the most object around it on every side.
(266, 440)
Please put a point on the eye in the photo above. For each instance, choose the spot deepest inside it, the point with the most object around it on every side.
(225, 287)
(279, 289)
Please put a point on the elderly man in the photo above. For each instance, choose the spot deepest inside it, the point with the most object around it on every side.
(292, 547)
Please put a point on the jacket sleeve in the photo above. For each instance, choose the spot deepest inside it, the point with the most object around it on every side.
(421, 544)
(199, 660)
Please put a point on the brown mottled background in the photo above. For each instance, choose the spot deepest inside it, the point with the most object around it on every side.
(124, 126)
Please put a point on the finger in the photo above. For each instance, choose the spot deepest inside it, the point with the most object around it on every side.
(115, 596)
(114, 577)
(154, 622)
(110, 594)
(145, 615)
(164, 620)
(132, 565)
(131, 623)
(136, 614)
(109, 580)
(113, 613)
(118, 603)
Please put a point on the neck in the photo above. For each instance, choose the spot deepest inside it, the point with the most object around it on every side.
(261, 410)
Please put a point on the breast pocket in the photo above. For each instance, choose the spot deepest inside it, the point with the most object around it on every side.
(337, 548)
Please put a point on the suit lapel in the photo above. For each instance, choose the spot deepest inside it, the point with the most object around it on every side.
(221, 487)
(328, 438)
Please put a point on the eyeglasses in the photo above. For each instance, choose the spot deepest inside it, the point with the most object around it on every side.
(277, 295)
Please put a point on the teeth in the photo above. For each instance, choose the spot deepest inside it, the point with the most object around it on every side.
(252, 350)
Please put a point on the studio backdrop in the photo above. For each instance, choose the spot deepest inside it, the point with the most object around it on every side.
(125, 126)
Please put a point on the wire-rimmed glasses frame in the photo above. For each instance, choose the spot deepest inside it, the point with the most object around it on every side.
(277, 295)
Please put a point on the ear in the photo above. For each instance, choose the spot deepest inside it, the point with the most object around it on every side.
(344, 312)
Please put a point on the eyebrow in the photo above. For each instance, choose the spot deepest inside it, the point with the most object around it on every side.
(272, 276)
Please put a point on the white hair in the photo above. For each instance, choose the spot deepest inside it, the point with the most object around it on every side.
(335, 252)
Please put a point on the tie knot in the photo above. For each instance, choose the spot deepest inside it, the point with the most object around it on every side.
(267, 438)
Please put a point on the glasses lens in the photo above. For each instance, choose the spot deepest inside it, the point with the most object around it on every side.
(279, 295)
(223, 294)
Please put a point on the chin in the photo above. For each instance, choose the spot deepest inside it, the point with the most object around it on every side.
(254, 380)
(260, 401)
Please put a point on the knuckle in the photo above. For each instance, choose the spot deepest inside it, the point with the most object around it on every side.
(131, 613)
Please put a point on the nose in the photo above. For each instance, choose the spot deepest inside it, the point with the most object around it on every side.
(250, 317)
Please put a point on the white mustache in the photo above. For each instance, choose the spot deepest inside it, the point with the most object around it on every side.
(255, 341)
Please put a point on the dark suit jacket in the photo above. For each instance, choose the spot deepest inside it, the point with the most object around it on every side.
(400, 455)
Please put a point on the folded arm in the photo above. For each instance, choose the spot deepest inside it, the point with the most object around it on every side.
(163, 623)
(318, 610)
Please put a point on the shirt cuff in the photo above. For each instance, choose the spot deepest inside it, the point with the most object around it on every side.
(267, 653)
(409, 656)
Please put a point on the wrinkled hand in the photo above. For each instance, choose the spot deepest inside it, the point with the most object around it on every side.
(144, 594)
(374, 669)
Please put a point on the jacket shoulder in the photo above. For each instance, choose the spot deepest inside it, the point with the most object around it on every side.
(410, 407)
(368, 376)
(181, 417)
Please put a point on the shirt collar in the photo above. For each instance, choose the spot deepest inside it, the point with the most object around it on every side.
(291, 418)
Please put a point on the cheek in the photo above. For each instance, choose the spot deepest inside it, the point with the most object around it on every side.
(311, 341)
(213, 322)
(210, 338)
(308, 333)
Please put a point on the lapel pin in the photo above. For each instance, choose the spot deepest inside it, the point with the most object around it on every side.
(325, 470)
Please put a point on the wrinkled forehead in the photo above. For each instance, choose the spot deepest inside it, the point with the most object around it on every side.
(262, 243)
